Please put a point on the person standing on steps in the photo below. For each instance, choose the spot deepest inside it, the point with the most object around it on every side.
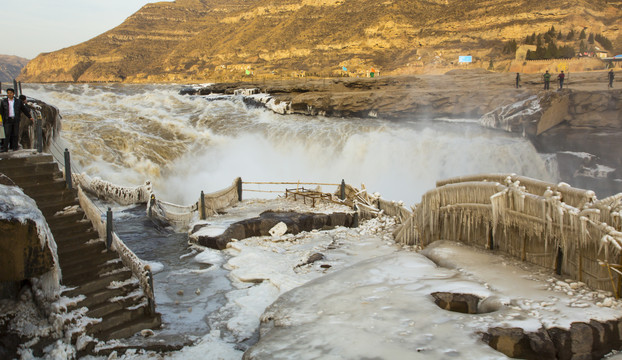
(517, 80)
(561, 77)
(12, 109)
(610, 77)
(547, 79)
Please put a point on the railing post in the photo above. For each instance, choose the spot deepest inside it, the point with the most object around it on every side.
(108, 229)
(559, 261)
(20, 87)
(151, 204)
(202, 205)
(239, 189)
(355, 217)
(39, 130)
(150, 299)
(67, 170)
(343, 190)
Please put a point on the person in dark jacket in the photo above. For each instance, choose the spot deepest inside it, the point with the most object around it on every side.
(610, 76)
(12, 109)
(517, 80)
(561, 78)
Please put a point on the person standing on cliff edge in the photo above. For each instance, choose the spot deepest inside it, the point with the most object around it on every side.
(610, 76)
(517, 80)
(547, 79)
(11, 110)
(561, 77)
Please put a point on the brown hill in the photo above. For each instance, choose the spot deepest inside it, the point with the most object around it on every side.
(10, 67)
(218, 40)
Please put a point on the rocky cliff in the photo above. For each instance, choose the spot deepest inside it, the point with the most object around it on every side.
(217, 40)
(10, 67)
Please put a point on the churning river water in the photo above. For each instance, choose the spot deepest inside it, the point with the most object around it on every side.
(128, 134)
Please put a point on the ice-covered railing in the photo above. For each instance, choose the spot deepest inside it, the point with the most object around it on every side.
(572, 196)
(516, 217)
(122, 195)
(133, 262)
(370, 205)
(181, 216)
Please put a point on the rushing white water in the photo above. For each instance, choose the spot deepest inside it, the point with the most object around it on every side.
(128, 134)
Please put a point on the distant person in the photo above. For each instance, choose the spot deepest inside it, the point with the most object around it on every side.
(610, 76)
(560, 78)
(547, 80)
(517, 80)
(11, 110)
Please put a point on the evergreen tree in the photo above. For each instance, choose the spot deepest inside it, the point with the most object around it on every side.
(590, 38)
(552, 31)
(559, 35)
(570, 35)
(566, 52)
(582, 47)
(582, 35)
(606, 43)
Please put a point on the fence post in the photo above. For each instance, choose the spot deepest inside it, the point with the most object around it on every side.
(151, 204)
(108, 229)
(150, 299)
(558, 262)
(343, 190)
(355, 218)
(39, 130)
(240, 189)
(68, 169)
(202, 204)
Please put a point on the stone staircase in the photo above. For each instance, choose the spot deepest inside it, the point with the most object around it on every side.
(88, 269)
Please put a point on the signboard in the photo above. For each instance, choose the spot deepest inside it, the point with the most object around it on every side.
(465, 59)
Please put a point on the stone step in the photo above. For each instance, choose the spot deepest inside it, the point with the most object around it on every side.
(79, 263)
(30, 169)
(47, 197)
(38, 179)
(99, 297)
(71, 238)
(130, 328)
(100, 283)
(76, 274)
(60, 220)
(54, 184)
(78, 249)
(108, 307)
(115, 321)
(11, 162)
(81, 226)
(49, 209)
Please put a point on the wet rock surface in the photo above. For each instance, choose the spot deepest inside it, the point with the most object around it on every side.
(261, 226)
(591, 340)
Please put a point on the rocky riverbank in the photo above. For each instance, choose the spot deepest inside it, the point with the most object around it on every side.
(581, 123)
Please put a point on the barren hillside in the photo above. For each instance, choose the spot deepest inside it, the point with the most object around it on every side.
(217, 40)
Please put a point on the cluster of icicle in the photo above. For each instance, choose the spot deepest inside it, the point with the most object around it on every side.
(122, 195)
(512, 208)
